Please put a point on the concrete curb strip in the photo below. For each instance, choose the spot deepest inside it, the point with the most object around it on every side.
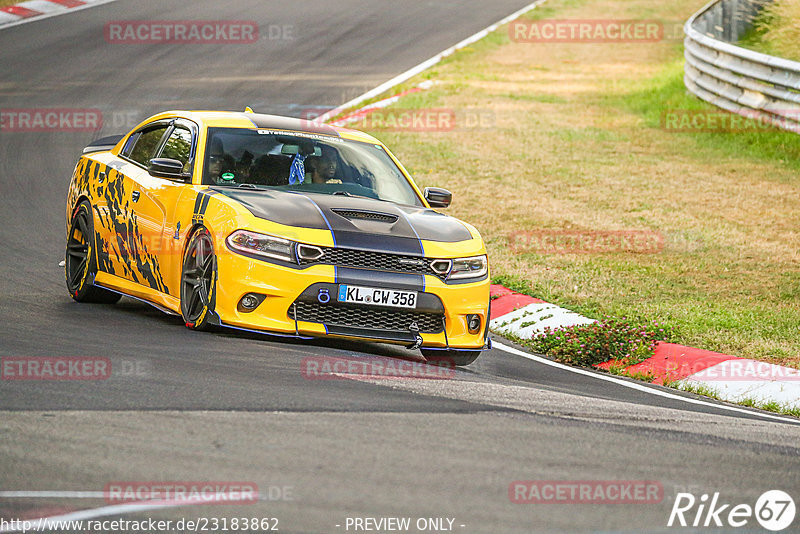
(40, 9)
(729, 377)
(523, 316)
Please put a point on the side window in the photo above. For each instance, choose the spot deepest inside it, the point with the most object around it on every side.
(179, 147)
(126, 150)
(146, 144)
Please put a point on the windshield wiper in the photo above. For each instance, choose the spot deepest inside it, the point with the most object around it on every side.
(345, 193)
(248, 186)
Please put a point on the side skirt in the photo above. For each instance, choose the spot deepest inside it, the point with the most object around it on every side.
(151, 303)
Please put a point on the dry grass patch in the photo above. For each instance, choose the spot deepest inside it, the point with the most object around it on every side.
(574, 144)
(777, 30)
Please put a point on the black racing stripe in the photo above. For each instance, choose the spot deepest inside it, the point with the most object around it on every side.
(397, 237)
(386, 243)
(207, 194)
(197, 202)
(277, 206)
(433, 226)
(368, 278)
(201, 202)
(204, 203)
(400, 233)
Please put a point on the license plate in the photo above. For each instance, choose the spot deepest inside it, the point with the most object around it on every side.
(372, 296)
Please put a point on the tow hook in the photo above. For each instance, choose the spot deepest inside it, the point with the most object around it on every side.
(414, 329)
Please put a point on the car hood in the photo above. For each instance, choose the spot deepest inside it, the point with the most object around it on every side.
(355, 222)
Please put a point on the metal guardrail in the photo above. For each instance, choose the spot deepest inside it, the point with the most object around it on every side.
(741, 81)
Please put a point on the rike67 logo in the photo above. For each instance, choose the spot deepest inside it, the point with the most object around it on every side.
(774, 510)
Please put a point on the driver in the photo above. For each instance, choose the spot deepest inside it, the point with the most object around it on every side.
(323, 168)
(216, 159)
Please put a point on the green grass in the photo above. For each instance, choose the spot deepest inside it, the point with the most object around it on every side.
(755, 38)
(620, 370)
(775, 31)
(514, 283)
(578, 144)
(666, 92)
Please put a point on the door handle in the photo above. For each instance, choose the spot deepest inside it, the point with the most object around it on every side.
(102, 177)
(135, 196)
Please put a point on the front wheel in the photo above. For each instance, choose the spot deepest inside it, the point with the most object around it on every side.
(80, 263)
(198, 280)
(450, 357)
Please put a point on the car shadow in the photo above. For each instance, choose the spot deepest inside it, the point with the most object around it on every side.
(141, 310)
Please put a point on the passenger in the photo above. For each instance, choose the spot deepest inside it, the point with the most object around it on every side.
(244, 166)
(220, 164)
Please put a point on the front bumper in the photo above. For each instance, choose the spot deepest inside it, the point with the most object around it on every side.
(291, 304)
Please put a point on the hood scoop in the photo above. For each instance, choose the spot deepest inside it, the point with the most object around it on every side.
(366, 215)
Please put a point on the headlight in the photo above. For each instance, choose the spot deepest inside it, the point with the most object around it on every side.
(474, 267)
(262, 245)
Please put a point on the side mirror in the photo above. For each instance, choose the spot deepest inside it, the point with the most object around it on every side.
(438, 197)
(172, 169)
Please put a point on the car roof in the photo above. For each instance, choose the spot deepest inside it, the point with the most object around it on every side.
(234, 119)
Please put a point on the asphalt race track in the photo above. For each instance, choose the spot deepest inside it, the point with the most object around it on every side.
(230, 407)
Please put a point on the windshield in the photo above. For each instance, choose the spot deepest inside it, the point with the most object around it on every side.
(295, 161)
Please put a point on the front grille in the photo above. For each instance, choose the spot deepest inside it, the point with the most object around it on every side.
(366, 215)
(370, 318)
(378, 261)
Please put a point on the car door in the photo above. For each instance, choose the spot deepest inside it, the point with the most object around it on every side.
(134, 245)
(155, 209)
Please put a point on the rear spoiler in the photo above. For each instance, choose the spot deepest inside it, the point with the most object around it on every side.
(105, 143)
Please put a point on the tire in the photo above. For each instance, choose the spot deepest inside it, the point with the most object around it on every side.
(198, 281)
(450, 357)
(80, 262)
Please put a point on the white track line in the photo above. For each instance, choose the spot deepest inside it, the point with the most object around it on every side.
(436, 59)
(52, 495)
(638, 387)
(65, 11)
(428, 63)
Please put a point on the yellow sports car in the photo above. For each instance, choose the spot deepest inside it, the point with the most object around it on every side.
(276, 225)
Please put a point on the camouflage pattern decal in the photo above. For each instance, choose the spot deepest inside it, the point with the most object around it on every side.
(127, 249)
